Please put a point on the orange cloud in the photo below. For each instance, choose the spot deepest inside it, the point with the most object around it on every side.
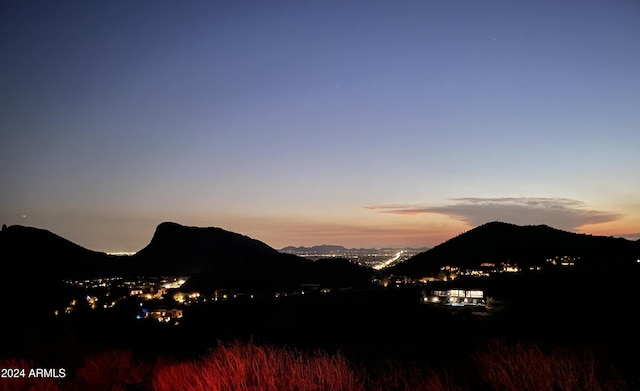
(560, 213)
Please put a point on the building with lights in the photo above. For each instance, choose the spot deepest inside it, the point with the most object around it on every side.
(455, 297)
(164, 315)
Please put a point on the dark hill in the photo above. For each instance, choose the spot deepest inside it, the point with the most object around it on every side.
(215, 258)
(42, 254)
(34, 262)
(281, 272)
(524, 245)
(176, 249)
(37, 261)
(339, 272)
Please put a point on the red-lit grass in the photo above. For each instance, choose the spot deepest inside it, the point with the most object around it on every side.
(393, 376)
(246, 366)
(115, 370)
(23, 382)
(238, 366)
(526, 367)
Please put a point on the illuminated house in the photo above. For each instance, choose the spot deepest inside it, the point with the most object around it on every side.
(136, 292)
(223, 294)
(563, 260)
(162, 314)
(455, 297)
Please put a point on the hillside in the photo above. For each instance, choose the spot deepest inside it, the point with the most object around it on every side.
(177, 249)
(33, 263)
(524, 245)
(43, 254)
(212, 257)
(215, 258)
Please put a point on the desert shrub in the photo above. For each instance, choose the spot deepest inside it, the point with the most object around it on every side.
(394, 376)
(239, 366)
(114, 370)
(518, 366)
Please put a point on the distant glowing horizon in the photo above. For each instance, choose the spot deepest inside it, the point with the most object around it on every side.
(377, 124)
(434, 225)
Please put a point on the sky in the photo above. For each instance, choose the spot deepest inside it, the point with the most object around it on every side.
(358, 123)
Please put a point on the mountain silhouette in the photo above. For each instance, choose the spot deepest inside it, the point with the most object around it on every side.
(325, 250)
(320, 249)
(34, 262)
(45, 255)
(524, 245)
(212, 257)
(177, 249)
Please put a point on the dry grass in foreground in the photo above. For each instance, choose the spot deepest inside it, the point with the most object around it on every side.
(526, 367)
(240, 366)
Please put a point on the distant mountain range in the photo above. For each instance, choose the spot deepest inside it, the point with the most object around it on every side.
(321, 249)
(524, 245)
(334, 250)
(329, 248)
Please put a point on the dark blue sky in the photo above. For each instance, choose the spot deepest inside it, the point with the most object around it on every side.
(371, 123)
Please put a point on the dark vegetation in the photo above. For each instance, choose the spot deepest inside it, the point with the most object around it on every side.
(242, 366)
